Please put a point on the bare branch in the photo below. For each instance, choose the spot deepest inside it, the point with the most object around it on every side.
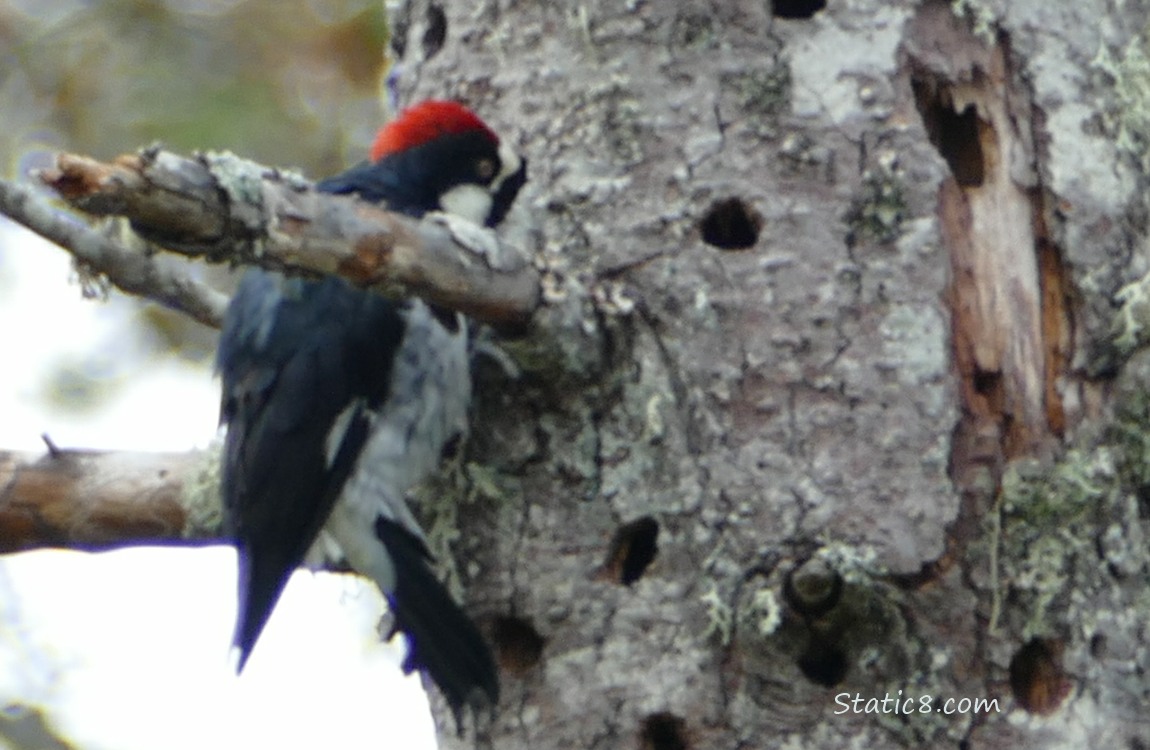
(99, 499)
(128, 268)
(223, 208)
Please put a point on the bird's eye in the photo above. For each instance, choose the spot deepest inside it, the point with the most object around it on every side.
(485, 169)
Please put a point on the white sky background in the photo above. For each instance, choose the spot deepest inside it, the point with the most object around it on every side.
(128, 650)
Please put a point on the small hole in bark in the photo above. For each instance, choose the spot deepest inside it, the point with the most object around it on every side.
(519, 645)
(663, 731)
(451, 447)
(797, 9)
(956, 135)
(1098, 646)
(731, 225)
(436, 33)
(400, 24)
(632, 550)
(1036, 677)
(987, 383)
(823, 663)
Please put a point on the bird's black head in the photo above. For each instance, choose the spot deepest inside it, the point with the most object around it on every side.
(438, 155)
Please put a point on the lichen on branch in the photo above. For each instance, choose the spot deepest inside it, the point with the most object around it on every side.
(221, 208)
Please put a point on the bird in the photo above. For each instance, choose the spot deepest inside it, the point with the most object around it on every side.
(338, 401)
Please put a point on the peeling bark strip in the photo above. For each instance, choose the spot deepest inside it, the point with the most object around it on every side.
(223, 208)
(93, 499)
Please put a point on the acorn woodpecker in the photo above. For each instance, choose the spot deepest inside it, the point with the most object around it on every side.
(338, 401)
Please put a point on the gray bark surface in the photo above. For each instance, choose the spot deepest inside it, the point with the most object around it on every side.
(894, 443)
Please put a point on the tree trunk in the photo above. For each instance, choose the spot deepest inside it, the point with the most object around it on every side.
(858, 392)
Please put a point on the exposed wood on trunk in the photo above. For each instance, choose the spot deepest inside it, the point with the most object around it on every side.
(1007, 293)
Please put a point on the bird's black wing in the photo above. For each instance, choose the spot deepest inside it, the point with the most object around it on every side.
(302, 363)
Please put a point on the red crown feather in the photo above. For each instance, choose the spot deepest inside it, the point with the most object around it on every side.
(424, 122)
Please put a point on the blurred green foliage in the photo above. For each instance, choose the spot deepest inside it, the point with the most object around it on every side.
(285, 82)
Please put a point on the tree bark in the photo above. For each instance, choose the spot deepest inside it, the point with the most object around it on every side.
(873, 254)
(843, 407)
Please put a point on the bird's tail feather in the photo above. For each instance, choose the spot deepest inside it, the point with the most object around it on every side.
(442, 639)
